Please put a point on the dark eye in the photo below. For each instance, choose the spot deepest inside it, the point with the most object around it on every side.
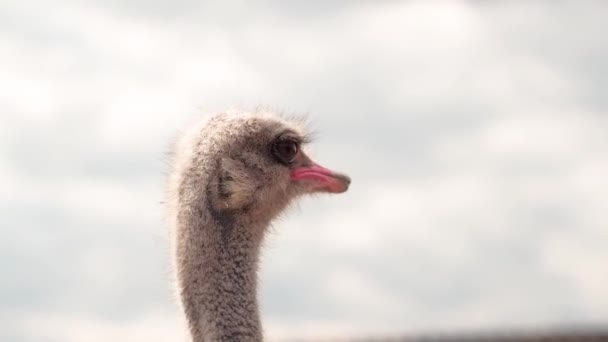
(285, 150)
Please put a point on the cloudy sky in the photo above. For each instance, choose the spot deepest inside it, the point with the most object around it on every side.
(475, 134)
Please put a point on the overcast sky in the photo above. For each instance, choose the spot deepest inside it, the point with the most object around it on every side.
(475, 134)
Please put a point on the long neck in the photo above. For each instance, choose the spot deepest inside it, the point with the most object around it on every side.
(217, 274)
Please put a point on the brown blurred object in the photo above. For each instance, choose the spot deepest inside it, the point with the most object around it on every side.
(566, 336)
(517, 337)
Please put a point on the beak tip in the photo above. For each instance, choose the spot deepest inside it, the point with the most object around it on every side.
(343, 183)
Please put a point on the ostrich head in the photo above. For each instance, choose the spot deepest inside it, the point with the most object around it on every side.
(254, 164)
(231, 176)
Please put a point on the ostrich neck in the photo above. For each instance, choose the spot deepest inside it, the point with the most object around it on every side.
(217, 271)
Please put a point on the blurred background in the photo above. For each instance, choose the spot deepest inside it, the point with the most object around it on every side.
(475, 134)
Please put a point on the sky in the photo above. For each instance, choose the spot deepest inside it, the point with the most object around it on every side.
(474, 132)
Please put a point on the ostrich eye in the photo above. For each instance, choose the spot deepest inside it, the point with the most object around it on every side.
(285, 150)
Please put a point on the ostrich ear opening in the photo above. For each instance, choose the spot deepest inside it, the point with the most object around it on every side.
(235, 187)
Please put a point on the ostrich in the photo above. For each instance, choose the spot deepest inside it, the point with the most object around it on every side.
(231, 176)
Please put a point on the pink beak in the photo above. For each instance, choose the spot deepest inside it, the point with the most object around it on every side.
(321, 179)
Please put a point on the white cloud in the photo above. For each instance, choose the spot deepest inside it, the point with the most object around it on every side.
(478, 162)
(59, 326)
(579, 256)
